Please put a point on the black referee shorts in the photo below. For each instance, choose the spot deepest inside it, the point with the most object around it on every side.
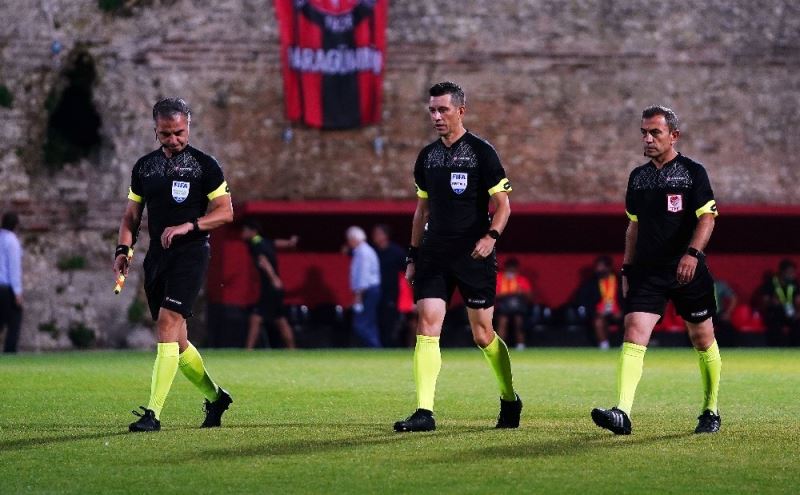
(270, 304)
(439, 271)
(173, 277)
(649, 288)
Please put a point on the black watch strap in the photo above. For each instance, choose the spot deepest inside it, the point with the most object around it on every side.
(493, 234)
(122, 249)
(696, 253)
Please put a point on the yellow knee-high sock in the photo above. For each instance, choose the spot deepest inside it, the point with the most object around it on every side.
(710, 371)
(629, 372)
(164, 370)
(427, 363)
(191, 364)
(497, 355)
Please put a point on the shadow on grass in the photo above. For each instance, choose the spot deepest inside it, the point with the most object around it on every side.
(567, 446)
(370, 435)
(21, 443)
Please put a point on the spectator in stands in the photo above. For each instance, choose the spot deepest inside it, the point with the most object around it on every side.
(780, 303)
(600, 299)
(392, 259)
(512, 302)
(10, 281)
(270, 307)
(726, 303)
(365, 283)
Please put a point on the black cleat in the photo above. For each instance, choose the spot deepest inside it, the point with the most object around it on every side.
(421, 420)
(215, 409)
(708, 422)
(612, 419)
(510, 411)
(146, 421)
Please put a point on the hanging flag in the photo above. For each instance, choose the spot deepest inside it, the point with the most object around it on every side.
(332, 53)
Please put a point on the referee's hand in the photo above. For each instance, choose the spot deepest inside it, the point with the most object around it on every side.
(483, 247)
(170, 233)
(686, 269)
(410, 271)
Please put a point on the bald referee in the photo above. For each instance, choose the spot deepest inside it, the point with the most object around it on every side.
(671, 208)
(452, 245)
(186, 196)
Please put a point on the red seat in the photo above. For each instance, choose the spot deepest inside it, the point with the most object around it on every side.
(746, 320)
(671, 322)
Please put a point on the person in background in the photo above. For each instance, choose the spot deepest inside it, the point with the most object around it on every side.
(600, 298)
(392, 259)
(726, 303)
(10, 281)
(512, 302)
(270, 307)
(780, 305)
(365, 283)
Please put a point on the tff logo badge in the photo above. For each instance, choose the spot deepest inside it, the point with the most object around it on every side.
(674, 203)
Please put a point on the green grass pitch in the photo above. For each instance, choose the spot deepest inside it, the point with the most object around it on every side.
(320, 422)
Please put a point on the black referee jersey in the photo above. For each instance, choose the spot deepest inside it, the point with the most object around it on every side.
(458, 181)
(666, 204)
(176, 190)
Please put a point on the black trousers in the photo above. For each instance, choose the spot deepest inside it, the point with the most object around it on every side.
(10, 318)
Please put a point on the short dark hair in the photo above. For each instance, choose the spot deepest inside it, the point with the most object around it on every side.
(252, 224)
(384, 228)
(669, 115)
(10, 220)
(782, 266)
(511, 263)
(605, 260)
(457, 95)
(168, 107)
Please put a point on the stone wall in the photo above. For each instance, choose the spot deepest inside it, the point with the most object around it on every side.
(557, 86)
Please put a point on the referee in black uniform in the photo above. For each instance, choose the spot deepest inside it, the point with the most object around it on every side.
(672, 210)
(452, 245)
(186, 196)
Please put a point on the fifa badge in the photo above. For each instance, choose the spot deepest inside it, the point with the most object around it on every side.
(180, 191)
(458, 182)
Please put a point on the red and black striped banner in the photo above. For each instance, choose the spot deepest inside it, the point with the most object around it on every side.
(333, 53)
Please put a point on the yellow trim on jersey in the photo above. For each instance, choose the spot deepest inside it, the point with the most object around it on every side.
(222, 190)
(503, 186)
(710, 207)
(133, 196)
(420, 193)
(631, 216)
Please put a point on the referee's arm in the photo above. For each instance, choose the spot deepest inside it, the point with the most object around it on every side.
(128, 228)
(700, 238)
(421, 215)
(502, 211)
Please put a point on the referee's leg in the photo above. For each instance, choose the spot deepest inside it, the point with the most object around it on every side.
(427, 355)
(702, 336)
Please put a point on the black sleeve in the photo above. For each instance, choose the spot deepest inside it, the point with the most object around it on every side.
(492, 174)
(212, 176)
(631, 208)
(702, 196)
(419, 175)
(136, 181)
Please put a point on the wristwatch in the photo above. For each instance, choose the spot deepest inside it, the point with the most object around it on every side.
(696, 253)
(493, 234)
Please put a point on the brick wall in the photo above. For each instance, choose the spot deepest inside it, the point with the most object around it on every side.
(557, 86)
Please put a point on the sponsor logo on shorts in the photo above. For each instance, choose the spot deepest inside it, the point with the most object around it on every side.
(180, 191)
(173, 301)
(699, 314)
(476, 301)
(458, 182)
(674, 202)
